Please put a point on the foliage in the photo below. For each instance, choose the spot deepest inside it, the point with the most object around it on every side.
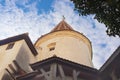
(105, 11)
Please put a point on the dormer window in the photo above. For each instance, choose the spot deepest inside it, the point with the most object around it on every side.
(10, 46)
(51, 46)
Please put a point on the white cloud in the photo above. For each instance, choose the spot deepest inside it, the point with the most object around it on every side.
(14, 20)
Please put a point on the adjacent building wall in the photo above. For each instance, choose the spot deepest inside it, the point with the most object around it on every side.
(19, 52)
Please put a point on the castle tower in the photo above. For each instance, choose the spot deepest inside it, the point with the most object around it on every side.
(64, 42)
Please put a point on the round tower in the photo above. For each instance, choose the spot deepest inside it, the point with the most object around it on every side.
(66, 43)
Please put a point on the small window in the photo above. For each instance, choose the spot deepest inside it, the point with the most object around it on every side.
(51, 49)
(10, 46)
(51, 46)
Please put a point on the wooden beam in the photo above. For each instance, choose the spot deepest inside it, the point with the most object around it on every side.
(12, 68)
(13, 77)
(41, 75)
(45, 74)
(75, 74)
(19, 69)
(113, 76)
(51, 74)
(62, 74)
(53, 71)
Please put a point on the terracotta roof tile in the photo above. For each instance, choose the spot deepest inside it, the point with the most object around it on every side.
(62, 26)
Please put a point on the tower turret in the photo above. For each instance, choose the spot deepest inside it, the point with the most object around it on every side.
(64, 42)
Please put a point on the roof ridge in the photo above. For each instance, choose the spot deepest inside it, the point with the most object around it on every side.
(62, 26)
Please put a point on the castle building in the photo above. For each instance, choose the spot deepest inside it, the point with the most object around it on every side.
(62, 54)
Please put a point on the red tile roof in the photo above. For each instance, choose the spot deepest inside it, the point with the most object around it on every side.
(62, 26)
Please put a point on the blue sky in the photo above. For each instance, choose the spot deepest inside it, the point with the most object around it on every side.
(38, 17)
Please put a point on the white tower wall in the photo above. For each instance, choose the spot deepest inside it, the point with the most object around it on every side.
(68, 45)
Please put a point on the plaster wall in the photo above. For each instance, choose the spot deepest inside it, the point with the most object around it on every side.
(7, 56)
(20, 52)
(67, 47)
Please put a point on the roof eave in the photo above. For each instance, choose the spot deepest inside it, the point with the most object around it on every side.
(20, 37)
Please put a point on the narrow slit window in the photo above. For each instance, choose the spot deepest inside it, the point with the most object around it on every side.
(10, 46)
(51, 46)
(51, 49)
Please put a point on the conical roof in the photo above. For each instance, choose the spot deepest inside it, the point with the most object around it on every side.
(62, 26)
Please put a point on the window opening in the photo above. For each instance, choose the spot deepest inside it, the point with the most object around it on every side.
(51, 46)
(10, 46)
(51, 49)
